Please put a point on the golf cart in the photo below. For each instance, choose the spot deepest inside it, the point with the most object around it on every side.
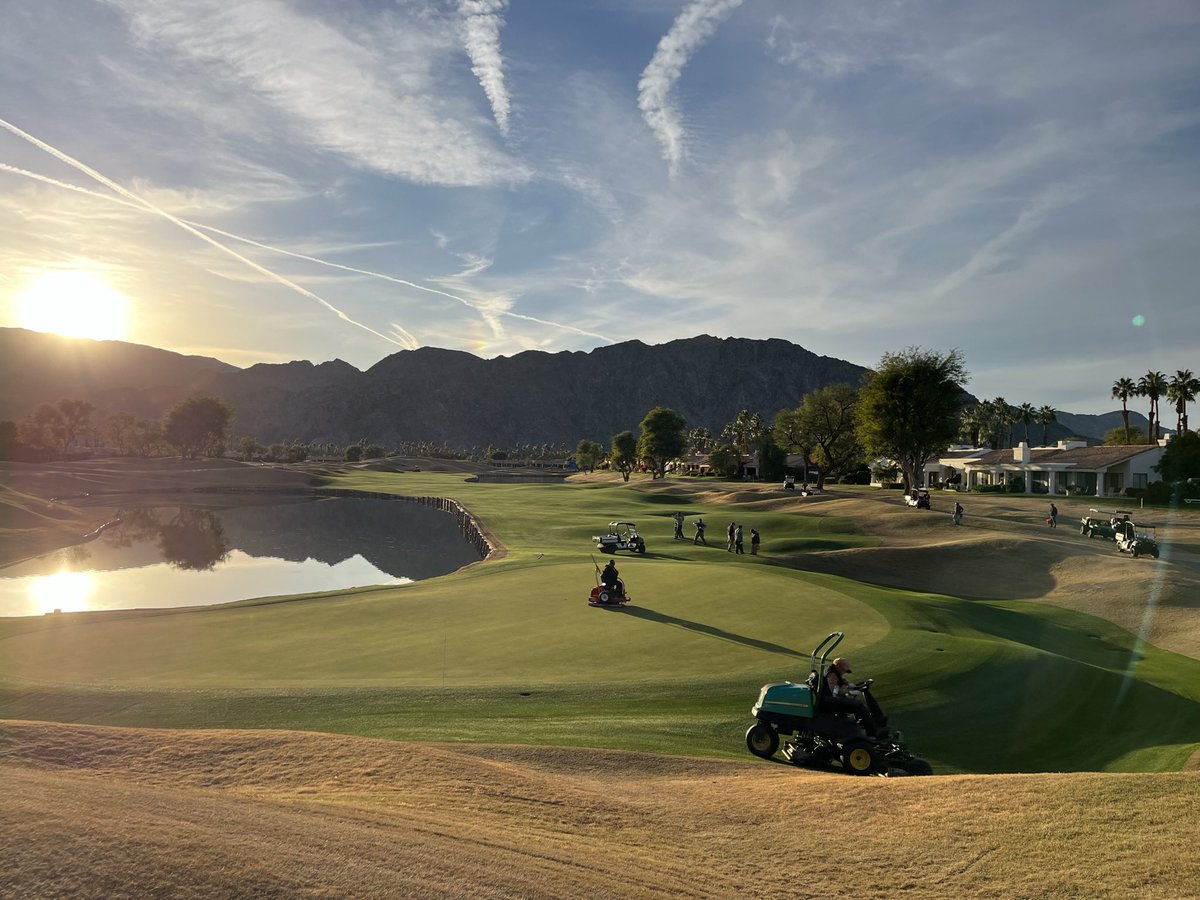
(815, 736)
(621, 536)
(918, 498)
(1136, 539)
(1102, 523)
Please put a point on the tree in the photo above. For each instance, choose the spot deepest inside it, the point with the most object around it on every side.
(353, 453)
(1045, 416)
(249, 447)
(41, 429)
(908, 408)
(699, 439)
(1124, 389)
(722, 460)
(624, 453)
(772, 459)
(75, 420)
(787, 431)
(8, 439)
(1003, 417)
(1025, 414)
(1181, 459)
(828, 417)
(1118, 436)
(146, 438)
(1153, 385)
(663, 439)
(197, 425)
(1181, 391)
(743, 433)
(588, 455)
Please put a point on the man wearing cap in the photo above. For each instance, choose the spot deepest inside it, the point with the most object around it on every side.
(844, 698)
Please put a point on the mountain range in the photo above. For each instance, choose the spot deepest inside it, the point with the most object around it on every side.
(445, 396)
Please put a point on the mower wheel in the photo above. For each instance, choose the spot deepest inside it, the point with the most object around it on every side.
(604, 597)
(860, 757)
(918, 766)
(762, 740)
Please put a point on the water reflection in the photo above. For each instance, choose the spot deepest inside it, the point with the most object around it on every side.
(64, 591)
(203, 554)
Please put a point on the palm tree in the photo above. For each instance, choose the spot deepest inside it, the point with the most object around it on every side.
(1181, 391)
(1153, 385)
(1123, 389)
(970, 423)
(1025, 414)
(1005, 416)
(1044, 416)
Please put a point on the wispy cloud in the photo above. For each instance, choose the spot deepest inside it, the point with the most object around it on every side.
(687, 34)
(371, 95)
(482, 21)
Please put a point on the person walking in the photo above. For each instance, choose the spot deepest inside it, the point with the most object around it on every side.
(699, 538)
(678, 517)
(958, 513)
(737, 541)
(755, 540)
(729, 537)
(1053, 520)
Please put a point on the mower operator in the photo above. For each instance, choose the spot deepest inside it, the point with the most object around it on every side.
(843, 697)
(610, 578)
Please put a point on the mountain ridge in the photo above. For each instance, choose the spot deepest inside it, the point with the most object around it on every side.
(444, 396)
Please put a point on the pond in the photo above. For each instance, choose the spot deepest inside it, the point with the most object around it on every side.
(202, 553)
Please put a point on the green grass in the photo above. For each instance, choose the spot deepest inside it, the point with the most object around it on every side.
(510, 652)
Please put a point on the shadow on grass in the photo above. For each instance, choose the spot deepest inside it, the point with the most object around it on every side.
(641, 612)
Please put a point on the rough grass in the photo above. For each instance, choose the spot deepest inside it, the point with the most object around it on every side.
(96, 812)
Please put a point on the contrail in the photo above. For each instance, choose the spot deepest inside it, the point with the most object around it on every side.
(407, 341)
(687, 34)
(482, 21)
(65, 185)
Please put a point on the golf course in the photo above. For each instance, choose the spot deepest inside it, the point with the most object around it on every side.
(487, 733)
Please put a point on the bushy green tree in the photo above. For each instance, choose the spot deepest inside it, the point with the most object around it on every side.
(828, 417)
(722, 459)
(624, 453)
(588, 455)
(1121, 436)
(1181, 458)
(908, 408)
(663, 438)
(198, 425)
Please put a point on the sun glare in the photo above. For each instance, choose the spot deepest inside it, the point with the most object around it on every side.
(73, 303)
(65, 591)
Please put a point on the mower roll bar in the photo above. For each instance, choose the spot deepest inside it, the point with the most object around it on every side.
(824, 650)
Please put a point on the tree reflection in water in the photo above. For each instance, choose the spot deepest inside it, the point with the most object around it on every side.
(194, 539)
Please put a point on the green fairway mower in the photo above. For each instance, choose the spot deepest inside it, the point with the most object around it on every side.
(815, 735)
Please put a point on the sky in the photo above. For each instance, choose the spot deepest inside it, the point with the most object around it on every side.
(271, 180)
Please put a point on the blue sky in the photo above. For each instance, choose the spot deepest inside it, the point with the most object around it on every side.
(271, 180)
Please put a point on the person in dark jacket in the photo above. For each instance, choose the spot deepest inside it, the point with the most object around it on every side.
(842, 696)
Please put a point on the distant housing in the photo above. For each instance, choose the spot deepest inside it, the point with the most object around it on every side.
(1069, 468)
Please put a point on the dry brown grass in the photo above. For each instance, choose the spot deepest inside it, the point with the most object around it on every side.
(103, 812)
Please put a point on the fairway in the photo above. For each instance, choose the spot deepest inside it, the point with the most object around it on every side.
(507, 651)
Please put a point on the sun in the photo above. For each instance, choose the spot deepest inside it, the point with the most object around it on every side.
(76, 302)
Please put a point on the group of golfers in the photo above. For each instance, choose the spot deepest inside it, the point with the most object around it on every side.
(735, 535)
